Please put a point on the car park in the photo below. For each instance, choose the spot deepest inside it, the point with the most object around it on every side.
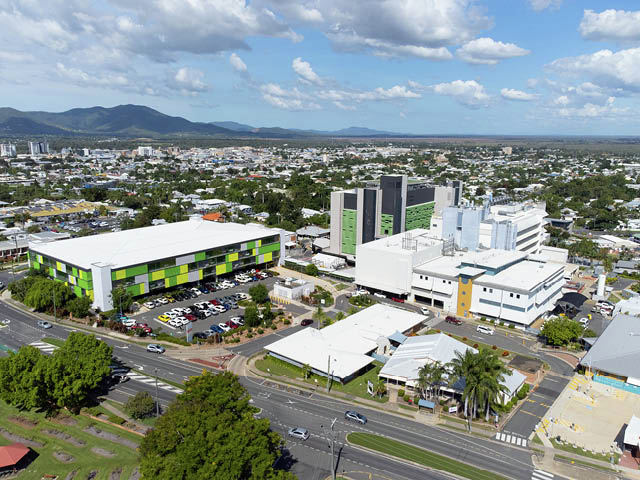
(43, 324)
(299, 433)
(354, 416)
(154, 348)
(164, 318)
(453, 320)
(485, 330)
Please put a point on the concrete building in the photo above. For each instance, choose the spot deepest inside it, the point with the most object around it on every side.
(499, 284)
(293, 289)
(153, 259)
(395, 205)
(145, 151)
(38, 148)
(7, 150)
(507, 227)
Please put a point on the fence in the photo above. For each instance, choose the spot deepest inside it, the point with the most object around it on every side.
(619, 384)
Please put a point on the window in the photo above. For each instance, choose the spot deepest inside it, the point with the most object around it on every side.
(491, 290)
(462, 304)
(518, 295)
(464, 293)
(484, 289)
(511, 295)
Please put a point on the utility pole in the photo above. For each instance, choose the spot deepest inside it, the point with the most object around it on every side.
(157, 404)
(328, 371)
(333, 442)
(55, 317)
(13, 264)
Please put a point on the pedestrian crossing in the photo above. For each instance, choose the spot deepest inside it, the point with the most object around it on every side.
(511, 438)
(44, 347)
(578, 383)
(152, 381)
(541, 475)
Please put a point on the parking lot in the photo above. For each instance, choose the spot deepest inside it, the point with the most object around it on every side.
(150, 316)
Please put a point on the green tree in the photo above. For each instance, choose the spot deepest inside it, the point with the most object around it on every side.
(141, 405)
(306, 370)
(491, 372)
(209, 431)
(44, 292)
(79, 306)
(560, 331)
(259, 293)
(380, 388)
(76, 368)
(251, 318)
(22, 379)
(462, 368)
(267, 314)
(121, 299)
(311, 269)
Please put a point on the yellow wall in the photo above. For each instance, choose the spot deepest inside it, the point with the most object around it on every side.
(464, 297)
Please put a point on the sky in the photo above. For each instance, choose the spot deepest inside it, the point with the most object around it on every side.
(503, 67)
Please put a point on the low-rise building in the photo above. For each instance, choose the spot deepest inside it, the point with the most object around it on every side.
(293, 289)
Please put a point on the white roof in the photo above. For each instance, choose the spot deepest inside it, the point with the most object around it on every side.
(142, 245)
(347, 341)
(415, 352)
(632, 432)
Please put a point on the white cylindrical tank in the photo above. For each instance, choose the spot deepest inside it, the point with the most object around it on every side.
(602, 280)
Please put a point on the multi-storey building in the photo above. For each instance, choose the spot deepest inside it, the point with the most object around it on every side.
(153, 259)
(7, 150)
(396, 205)
(499, 284)
(38, 148)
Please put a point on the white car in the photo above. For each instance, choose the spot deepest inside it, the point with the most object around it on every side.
(129, 322)
(219, 308)
(162, 301)
(224, 327)
(149, 305)
(172, 314)
(379, 295)
(299, 433)
(485, 330)
(243, 296)
(196, 291)
(584, 321)
(175, 322)
(425, 311)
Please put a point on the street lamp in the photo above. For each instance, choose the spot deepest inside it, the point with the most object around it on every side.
(332, 445)
(157, 403)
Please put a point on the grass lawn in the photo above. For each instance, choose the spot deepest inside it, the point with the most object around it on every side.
(53, 341)
(584, 453)
(356, 387)
(613, 298)
(341, 286)
(418, 455)
(84, 460)
(580, 462)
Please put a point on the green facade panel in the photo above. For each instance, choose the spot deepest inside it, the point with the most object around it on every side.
(200, 256)
(172, 272)
(349, 220)
(386, 224)
(419, 216)
(274, 247)
(137, 270)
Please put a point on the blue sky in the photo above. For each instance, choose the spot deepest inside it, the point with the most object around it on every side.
(559, 67)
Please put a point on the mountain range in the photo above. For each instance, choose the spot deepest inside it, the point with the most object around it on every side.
(141, 121)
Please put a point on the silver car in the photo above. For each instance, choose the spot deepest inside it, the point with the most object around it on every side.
(299, 433)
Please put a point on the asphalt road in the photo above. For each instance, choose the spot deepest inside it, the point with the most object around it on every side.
(288, 409)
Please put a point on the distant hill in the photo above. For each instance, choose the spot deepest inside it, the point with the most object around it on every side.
(138, 120)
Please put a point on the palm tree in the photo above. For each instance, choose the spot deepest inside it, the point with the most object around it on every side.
(437, 374)
(462, 366)
(424, 379)
(380, 388)
(306, 370)
(492, 372)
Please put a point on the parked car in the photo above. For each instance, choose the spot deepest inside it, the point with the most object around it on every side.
(379, 295)
(355, 417)
(216, 329)
(224, 327)
(164, 318)
(306, 321)
(149, 305)
(584, 321)
(43, 324)
(154, 348)
(200, 335)
(453, 320)
(425, 311)
(485, 330)
(299, 433)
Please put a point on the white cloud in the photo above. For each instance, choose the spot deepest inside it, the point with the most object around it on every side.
(611, 25)
(539, 5)
(15, 57)
(305, 72)
(517, 95)
(237, 64)
(397, 92)
(80, 77)
(489, 52)
(46, 32)
(292, 99)
(342, 106)
(562, 100)
(188, 81)
(469, 93)
(605, 68)
(590, 110)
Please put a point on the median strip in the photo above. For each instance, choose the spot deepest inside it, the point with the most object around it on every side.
(420, 456)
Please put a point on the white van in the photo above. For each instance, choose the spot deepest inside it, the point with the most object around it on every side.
(485, 330)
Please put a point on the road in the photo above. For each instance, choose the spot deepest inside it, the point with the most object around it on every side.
(308, 459)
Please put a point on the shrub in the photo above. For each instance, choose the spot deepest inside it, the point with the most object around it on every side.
(287, 321)
(523, 391)
(401, 393)
(249, 335)
(406, 398)
(115, 419)
(505, 353)
(512, 326)
(236, 340)
(141, 405)
(260, 331)
(464, 339)
(495, 347)
(475, 345)
(483, 319)
(168, 338)
(437, 331)
(273, 327)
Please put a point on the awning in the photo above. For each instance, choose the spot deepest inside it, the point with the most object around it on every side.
(290, 244)
(426, 404)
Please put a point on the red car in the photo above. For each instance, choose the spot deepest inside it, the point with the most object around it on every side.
(190, 317)
(214, 302)
(396, 299)
(142, 326)
(231, 324)
(453, 320)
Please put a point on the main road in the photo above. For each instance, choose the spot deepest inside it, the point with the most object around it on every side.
(308, 459)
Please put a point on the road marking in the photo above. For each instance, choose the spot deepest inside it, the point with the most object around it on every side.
(512, 439)
(541, 475)
(44, 347)
(151, 381)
